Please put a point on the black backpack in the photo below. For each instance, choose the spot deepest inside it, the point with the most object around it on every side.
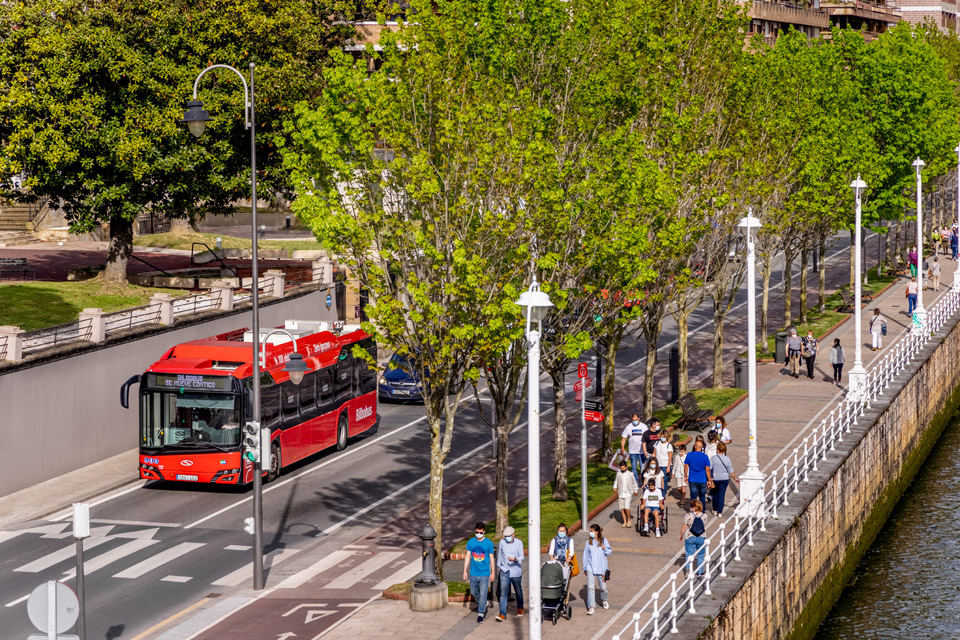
(697, 527)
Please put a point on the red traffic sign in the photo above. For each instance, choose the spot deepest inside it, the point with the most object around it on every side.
(582, 370)
(593, 416)
(582, 384)
(578, 396)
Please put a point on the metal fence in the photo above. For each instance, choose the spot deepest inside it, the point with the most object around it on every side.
(196, 303)
(3, 347)
(129, 318)
(54, 336)
(679, 594)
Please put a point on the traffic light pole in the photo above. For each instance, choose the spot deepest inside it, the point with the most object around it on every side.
(255, 290)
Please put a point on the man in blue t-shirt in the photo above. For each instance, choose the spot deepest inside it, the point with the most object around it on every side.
(697, 469)
(478, 568)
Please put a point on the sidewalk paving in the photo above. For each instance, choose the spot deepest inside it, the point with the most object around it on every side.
(787, 410)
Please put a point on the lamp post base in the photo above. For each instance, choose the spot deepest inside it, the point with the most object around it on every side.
(751, 493)
(919, 321)
(857, 383)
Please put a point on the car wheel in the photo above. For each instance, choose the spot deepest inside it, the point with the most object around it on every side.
(275, 462)
(342, 432)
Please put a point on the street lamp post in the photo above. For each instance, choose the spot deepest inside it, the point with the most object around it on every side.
(920, 313)
(956, 274)
(751, 482)
(196, 119)
(858, 375)
(535, 304)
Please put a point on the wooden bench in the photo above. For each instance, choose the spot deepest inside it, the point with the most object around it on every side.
(846, 303)
(11, 265)
(694, 418)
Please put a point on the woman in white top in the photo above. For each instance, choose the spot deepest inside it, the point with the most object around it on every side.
(653, 471)
(877, 324)
(836, 359)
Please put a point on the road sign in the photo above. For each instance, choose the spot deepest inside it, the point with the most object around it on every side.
(593, 416)
(578, 396)
(582, 370)
(580, 385)
(66, 607)
(593, 405)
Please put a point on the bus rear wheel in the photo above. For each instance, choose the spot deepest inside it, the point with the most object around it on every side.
(275, 462)
(342, 432)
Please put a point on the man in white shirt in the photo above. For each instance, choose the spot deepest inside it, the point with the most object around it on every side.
(631, 441)
(626, 487)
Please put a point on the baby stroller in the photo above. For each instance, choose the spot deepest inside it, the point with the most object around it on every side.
(554, 592)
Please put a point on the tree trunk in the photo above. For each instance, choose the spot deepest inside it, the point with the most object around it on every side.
(853, 260)
(118, 250)
(822, 276)
(648, 379)
(683, 332)
(557, 374)
(788, 287)
(718, 315)
(435, 508)
(804, 257)
(764, 308)
(182, 226)
(609, 387)
(503, 485)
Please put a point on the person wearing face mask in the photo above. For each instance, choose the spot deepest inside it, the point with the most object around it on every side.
(478, 568)
(595, 553)
(663, 452)
(811, 349)
(626, 487)
(650, 440)
(631, 441)
(794, 348)
(510, 566)
(723, 433)
(561, 549)
(653, 472)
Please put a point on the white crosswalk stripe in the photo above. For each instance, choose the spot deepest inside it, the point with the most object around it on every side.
(328, 562)
(357, 574)
(159, 560)
(114, 555)
(62, 555)
(401, 575)
(236, 578)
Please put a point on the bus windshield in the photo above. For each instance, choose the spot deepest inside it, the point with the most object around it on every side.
(189, 419)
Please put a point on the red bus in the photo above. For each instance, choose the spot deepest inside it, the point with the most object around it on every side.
(195, 400)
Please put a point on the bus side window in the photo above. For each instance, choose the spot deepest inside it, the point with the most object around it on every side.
(368, 374)
(325, 390)
(270, 406)
(344, 382)
(289, 404)
(308, 396)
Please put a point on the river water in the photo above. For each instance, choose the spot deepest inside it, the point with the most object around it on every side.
(908, 584)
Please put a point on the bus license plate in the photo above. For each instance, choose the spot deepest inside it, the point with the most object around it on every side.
(181, 476)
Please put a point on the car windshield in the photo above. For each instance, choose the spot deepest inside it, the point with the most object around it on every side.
(189, 420)
(403, 363)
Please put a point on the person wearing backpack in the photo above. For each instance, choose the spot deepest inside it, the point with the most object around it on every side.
(692, 534)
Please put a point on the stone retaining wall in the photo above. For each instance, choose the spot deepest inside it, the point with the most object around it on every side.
(796, 571)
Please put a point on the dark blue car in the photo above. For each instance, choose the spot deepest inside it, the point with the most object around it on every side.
(400, 381)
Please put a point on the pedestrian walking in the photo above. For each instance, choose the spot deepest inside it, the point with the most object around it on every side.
(836, 359)
(953, 244)
(722, 469)
(935, 241)
(912, 256)
(664, 453)
(561, 549)
(679, 464)
(912, 289)
(811, 349)
(510, 567)
(691, 532)
(631, 442)
(650, 439)
(723, 433)
(625, 484)
(478, 568)
(595, 553)
(697, 469)
(878, 329)
(934, 274)
(794, 349)
(652, 471)
(711, 448)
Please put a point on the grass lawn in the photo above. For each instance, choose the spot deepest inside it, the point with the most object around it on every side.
(599, 487)
(35, 305)
(715, 400)
(820, 323)
(454, 588)
(183, 241)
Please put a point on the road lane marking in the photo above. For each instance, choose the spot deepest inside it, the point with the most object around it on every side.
(165, 621)
(329, 561)
(237, 547)
(399, 576)
(346, 617)
(179, 579)
(114, 555)
(355, 575)
(141, 523)
(159, 560)
(236, 578)
(68, 513)
(61, 555)
(14, 603)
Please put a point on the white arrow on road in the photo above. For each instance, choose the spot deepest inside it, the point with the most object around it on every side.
(288, 634)
(314, 611)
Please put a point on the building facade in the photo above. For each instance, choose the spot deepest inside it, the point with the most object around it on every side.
(942, 14)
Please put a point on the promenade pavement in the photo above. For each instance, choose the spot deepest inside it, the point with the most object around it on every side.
(787, 410)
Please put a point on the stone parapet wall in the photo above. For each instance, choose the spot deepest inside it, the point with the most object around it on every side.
(801, 565)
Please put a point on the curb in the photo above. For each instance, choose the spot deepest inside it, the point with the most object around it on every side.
(404, 596)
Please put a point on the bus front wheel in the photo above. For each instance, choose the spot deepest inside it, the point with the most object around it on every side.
(275, 462)
(342, 433)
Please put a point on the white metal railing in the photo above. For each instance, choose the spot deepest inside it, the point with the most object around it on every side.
(196, 303)
(678, 594)
(129, 318)
(53, 336)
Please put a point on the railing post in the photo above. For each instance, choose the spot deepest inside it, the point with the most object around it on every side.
(673, 603)
(692, 578)
(774, 492)
(750, 531)
(723, 550)
(223, 289)
(165, 302)
(656, 615)
(736, 549)
(98, 323)
(706, 567)
(322, 271)
(277, 277)
(14, 336)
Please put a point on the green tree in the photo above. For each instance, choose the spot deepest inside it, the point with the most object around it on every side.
(93, 92)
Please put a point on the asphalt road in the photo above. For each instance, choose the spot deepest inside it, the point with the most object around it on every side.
(164, 546)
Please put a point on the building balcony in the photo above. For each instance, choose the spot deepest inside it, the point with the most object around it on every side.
(789, 13)
(862, 10)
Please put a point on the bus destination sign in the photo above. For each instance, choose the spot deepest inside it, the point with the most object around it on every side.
(190, 381)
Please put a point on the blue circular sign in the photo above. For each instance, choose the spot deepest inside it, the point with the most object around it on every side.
(329, 300)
